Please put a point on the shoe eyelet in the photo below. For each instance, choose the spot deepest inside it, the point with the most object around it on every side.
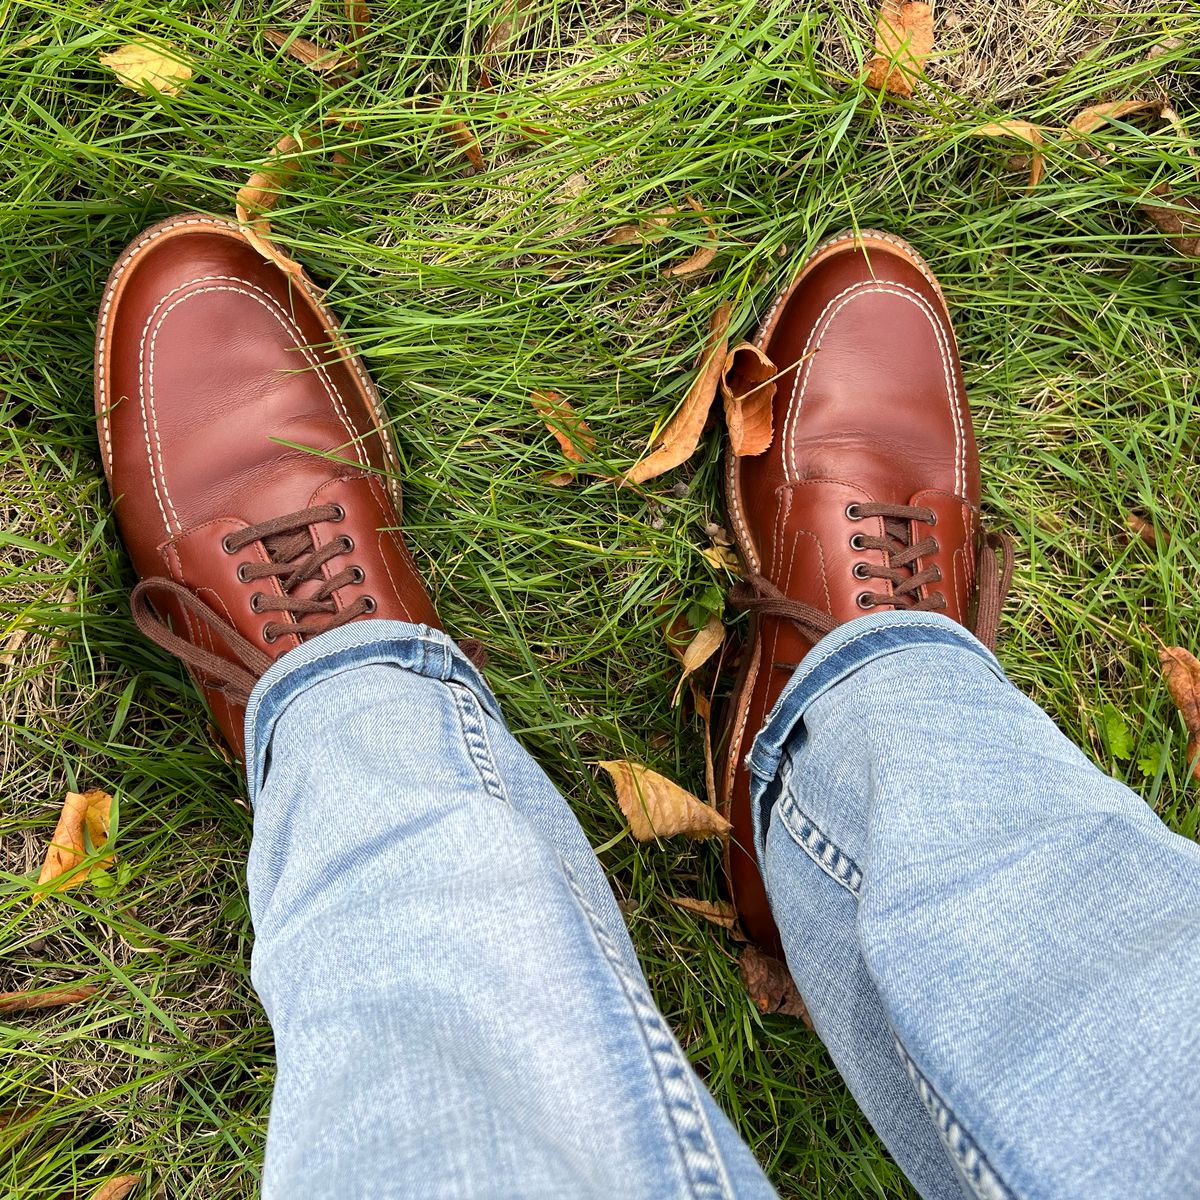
(241, 572)
(347, 544)
(226, 546)
(339, 513)
(939, 575)
(856, 542)
(256, 602)
(936, 548)
(369, 602)
(357, 575)
(865, 601)
(269, 635)
(932, 517)
(860, 570)
(853, 512)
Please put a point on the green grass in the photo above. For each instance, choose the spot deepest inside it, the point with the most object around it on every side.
(1079, 332)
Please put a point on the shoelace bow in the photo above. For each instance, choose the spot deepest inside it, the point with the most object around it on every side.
(994, 576)
(293, 559)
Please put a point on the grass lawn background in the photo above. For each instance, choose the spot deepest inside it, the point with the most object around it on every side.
(1078, 326)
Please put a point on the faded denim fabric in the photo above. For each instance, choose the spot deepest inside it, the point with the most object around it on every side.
(986, 927)
(999, 944)
(457, 1007)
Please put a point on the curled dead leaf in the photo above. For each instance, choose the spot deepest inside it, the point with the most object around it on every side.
(149, 67)
(316, 57)
(1181, 672)
(1137, 526)
(569, 429)
(81, 830)
(903, 42)
(47, 998)
(770, 985)
(259, 195)
(702, 257)
(719, 912)
(118, 1188)
(1178, 218)
(511, 18)
(1090, 119)
(700, 649)
(748, 388)
(679, 439)
(654, 228)
(1025, 131)
(655, 807)
(721, 557)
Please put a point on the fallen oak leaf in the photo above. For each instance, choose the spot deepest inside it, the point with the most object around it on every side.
(719, 912)
(118, 1188)
(748, 389)
(903, 41)
(84, 819)
(770, 985)
(700, 649)
(1179, 219)
(149, 67)
(655, 807)
(678, 441)
(569, 429)
(1181, 672)
(48, 998)
(1025, 131)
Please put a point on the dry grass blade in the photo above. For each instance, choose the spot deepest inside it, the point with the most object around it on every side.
(118, 1188)
(655, 807)
(149, 67)
(903, 41)
(1025, 131)
(719, 912)
(317, 58)
(49, 998)
(770, 985)
(82, 828)
(748, 388)
(570, 431)
(678, 441)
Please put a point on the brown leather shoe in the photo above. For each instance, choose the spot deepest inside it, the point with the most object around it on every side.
(254, 481)
(866, 500)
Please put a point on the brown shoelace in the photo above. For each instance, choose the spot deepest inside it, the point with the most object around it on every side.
(294, 558)
(994, 575)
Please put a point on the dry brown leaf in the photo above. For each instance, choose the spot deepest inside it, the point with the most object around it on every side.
(700, 649)
(1182, 674)
(719, 912)
(1025, 131)
(84, 819)
(748, 389)
(1090, 119)
(655, 807)
(1178, 218)
(511, 19)
(49, 998)
(903, 41)
(721, 556)
(468, 143)
(703, 256)
(317, 58)
(149, 67)
(260, 194)
(359, 17)
(118, 1188)
(648, 229)
(569, 429)
(1137, 526)
(770, 985)
(679, 439)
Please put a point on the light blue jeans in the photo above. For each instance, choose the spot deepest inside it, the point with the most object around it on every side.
(999, 944)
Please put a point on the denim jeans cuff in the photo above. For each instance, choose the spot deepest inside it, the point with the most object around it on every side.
(418, 648)
(838, 655)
